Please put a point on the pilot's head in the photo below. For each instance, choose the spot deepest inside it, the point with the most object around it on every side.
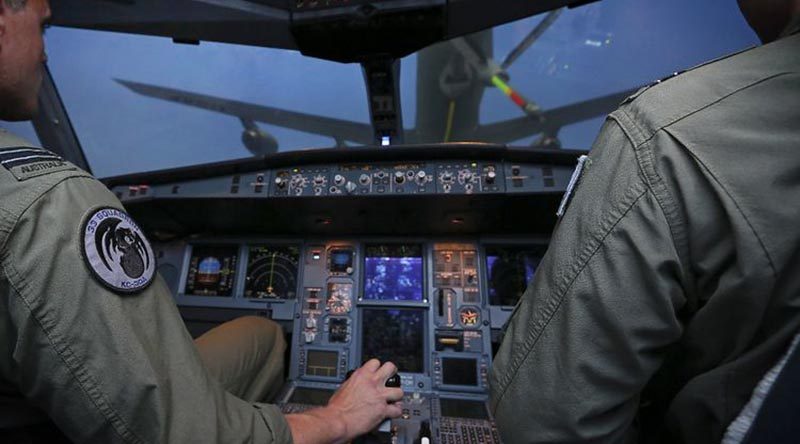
(21, 56)
(769, 18)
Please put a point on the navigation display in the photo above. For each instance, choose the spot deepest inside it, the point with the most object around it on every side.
(510, 270)
(272, 272)
(393, 273)
(392, 334)
(212, 270)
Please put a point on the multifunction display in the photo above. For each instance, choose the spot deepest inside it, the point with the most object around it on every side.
(510, 270)
(396, 335)
(212, 270)
(393, 273)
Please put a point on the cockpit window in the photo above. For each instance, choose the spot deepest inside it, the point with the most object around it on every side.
(141, 103)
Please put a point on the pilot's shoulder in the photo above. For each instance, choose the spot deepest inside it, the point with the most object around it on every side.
(28, 172)
(682, 94)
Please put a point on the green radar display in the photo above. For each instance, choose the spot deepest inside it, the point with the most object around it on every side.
(272, 272)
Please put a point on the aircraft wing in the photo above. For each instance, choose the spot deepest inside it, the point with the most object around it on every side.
(515, 129)
(338, 129)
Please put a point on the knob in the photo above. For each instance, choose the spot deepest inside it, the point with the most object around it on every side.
(421, 177)
(490, 177)
(350, 187)
(394, 381)
(399, 177)
(364, 179)
(339, 180)
(280, 182)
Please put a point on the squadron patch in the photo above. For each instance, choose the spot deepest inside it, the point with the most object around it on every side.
(116, 251)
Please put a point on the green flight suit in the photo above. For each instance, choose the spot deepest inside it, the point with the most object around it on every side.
(105, 365)
(672, 282)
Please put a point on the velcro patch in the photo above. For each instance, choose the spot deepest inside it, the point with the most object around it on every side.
(116, 251)
(583, 161)
(26, 162)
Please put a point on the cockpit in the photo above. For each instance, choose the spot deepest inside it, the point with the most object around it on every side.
(381, 178)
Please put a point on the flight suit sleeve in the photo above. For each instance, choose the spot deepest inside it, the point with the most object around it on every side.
(110, 366)
(594, 325)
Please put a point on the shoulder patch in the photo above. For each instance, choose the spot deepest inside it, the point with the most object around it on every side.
(116, 251)
(26, 162)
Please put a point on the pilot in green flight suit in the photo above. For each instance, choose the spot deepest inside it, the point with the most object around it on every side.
(672, 281)
(90, 338)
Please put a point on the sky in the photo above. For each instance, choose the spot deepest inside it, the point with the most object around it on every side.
(598, 49)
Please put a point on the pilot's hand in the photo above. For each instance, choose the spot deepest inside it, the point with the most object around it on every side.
(360, 404)
(364, 400)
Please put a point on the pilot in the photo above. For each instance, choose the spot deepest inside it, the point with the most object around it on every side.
(90, 339)
(672, 282)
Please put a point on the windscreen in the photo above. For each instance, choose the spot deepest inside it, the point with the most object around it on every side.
(174, 104)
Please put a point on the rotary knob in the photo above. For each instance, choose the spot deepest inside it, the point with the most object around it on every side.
(490, 177)
(350, 187)
(339, 180)
(280, 182)
(399, 177)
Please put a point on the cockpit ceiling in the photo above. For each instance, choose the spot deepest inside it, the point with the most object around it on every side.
(413, 24)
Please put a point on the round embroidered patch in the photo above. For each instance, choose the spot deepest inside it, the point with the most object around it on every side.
(116, 251)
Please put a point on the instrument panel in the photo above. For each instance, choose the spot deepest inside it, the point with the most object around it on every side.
(430, 306)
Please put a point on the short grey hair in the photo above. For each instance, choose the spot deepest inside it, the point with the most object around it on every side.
(16, 5)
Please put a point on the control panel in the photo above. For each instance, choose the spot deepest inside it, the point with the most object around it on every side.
(428, 305)
(458, 177)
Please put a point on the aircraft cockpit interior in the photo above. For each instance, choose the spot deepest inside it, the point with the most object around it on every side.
(379, 177)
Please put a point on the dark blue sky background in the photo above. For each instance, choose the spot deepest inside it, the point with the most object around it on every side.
(598, 49)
